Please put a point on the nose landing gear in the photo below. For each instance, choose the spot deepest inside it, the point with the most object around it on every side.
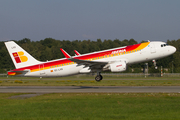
(154, 62)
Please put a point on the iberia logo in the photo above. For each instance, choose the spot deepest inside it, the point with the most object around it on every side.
(19, 57)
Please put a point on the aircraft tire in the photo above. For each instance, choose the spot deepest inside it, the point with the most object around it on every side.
(98, 78)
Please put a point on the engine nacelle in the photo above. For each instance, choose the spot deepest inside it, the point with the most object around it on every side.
(118, 67)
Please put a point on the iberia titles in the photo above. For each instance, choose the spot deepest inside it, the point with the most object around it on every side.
(118, 51)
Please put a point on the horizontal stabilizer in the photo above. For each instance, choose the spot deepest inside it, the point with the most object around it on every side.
(12, 73)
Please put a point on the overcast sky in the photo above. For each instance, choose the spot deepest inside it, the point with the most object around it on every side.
(90, 19)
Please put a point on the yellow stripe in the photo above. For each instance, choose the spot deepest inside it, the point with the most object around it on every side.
(142, 46)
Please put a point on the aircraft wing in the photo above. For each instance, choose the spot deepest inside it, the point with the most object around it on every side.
(91, 64)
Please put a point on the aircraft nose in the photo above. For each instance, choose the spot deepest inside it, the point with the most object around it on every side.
(173, 49)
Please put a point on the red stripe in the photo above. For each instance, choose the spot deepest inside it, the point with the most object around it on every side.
(83, 57)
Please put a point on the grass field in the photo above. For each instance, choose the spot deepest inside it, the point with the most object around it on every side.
(92, 106)
(89, 81)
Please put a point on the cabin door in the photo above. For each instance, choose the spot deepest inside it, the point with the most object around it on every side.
(153, 49)
(41, 70)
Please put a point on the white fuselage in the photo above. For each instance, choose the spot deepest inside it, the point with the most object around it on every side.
(155, 50)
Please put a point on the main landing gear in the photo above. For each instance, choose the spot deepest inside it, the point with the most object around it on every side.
(99, 77)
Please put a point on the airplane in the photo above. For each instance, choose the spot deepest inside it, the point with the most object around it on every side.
(114, 60)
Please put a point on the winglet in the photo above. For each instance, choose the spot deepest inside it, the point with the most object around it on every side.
(65, 53)
(77, 53)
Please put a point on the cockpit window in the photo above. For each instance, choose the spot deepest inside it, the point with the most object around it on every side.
(163, 45)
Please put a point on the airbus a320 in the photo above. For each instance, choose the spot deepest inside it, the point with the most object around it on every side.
(114, 60)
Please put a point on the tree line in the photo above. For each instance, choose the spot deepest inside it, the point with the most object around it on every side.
(49, 49)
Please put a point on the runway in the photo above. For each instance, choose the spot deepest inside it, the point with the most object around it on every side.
(89, 89)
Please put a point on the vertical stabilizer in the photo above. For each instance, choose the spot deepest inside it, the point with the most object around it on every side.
(19, 56)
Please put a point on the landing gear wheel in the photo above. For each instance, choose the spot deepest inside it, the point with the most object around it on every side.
(154, 62)
(98, 78)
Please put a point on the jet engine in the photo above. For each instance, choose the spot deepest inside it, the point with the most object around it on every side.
(118, 67)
